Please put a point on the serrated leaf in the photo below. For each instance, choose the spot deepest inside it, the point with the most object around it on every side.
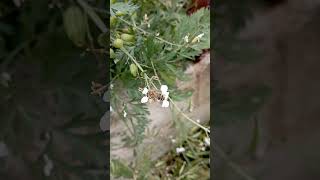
(122, 7)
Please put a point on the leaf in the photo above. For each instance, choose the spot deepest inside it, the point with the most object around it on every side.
(180, 95)
(126, 8)
(118, 169)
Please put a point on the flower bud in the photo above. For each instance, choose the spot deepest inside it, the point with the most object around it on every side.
(75, 24)
(118, 43)
(127, 37)
(133, 70)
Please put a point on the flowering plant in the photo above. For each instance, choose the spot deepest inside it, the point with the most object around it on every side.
(149, 50)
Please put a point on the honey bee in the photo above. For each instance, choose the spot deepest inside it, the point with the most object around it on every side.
(155, 95)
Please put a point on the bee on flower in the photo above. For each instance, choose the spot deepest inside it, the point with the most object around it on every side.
(154, 95)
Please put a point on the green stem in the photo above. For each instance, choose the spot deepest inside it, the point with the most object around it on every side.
(145, 32)
(132, 58)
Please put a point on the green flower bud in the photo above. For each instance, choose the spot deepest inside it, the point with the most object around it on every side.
(75, 24)
(133, 70)
(118, 43)
(127, 37)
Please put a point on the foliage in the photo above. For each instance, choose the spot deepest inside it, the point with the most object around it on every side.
(151, 48)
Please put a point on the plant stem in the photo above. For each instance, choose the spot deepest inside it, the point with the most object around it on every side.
(145, 32)
(132, 58)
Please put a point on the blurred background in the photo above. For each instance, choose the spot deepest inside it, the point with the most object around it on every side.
(266, 105)
(49, 121)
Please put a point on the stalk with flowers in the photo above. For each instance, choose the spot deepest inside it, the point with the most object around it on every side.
(149, 50)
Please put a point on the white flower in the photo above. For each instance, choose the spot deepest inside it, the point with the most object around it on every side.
(164, 88)
(111, 86)
(144, 99)
(207, 141)
(146, 17)
(197, 38)
(166, 95)
(186, 38)
(111, 109)
(203, 148)
(173, 141)
(124, 114)
(145, 91)
(165, 103)
(157, 34)
(180, 150)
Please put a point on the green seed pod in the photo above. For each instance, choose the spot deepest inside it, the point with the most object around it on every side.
(127, 37)
(112, 54)
(120, 13)
(126, 30)
(133, 70)
(75, 24)
(113, 21)
(118, 43)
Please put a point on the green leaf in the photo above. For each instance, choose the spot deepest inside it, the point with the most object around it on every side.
(126, 8)
(180, 95)
(118, 169)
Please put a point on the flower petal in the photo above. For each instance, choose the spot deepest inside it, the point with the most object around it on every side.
(144, 99)
(166, 95)
(164, 88)
(180, 150)
(145, 91)
(165, 103)
(207, 141)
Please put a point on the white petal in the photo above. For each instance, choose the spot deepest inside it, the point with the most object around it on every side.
(164, 88)
(165, 103)
(145, 91)
(166, 95)
(124, 114)
(111, 109)
(144, 99)
(180, 150)
(207, 141)
(200, 35)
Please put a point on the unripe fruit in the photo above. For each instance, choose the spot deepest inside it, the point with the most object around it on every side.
(118, 43)
(119, 13)
(133, 70)
(75, 24)
(113, 21)
(127, 37)
(112, 55)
